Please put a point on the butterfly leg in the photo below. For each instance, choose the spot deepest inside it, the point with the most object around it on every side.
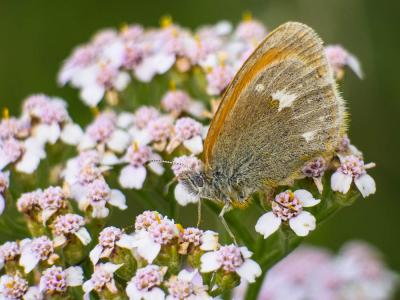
(198, 213)
(227, 207)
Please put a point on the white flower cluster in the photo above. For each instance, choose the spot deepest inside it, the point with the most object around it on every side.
(159, 259)
(183, 276)
(356, 272)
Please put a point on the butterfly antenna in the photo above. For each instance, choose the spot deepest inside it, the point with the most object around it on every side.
(158, 161)
(163, 162)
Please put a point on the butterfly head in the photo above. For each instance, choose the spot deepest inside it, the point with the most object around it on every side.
(193, 181)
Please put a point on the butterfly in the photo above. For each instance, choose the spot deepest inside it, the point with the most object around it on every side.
(281, 110)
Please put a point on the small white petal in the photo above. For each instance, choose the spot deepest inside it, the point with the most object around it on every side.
(186, 275)
(1, 263)
(4, 160)
(149, 251)
(341, 182)
(54, 133)
(122, 81)
(92, 94)
(154, 294)
(28, 260)
(132, 292)
(146, 70)
(246, 253)
(303, 223)
(125, 120)
(183, 197)
(29, 163)
(86, 143)
(113, 53)
(209, 241)
(100, 211)
(33, 293)
(87, 287)
(132, 178)
(267, 224)
(141, 136)
(47, 213)
(306, 198)
(71, 134)
(74, 276)
(2, 205)
(47, 133)
(119, 141)
(109, 159)
(59, 240)
(249, 270)
(209, 262)
(355, 65)
(145, 246)
(126, 241)
(163, 62)
(118, 199)
(35, 147)
(156, 167)
(194, 145)
(366, 185)
(196, 108)
(110, 267)
(83, 235)
(95, 254)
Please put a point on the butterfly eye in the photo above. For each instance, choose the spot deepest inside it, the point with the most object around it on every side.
(198, 181)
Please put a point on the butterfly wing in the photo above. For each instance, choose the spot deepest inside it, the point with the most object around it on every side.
(281, 110)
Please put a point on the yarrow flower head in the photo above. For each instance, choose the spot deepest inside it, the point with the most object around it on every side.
(110, 238)
(9, 251)
(146, 219)
(151, 238)
(315, 169)
(338, 58)
(160, 130)
(146, 283)
(11, 127)
(98, 195)
(134, 174)
(231, 259)
(288, 207)
(188, 132)
(52, 200)
(187, 285)
(70, 224)
(353, 168)
(218, 79)
(102, 278)
(13, 287)
(55, 280)
(104, 134)
(4, 184)
(10, 151)
(250, 30)
(192, 238)
(175, 102)
(40, 249)
(29, 202)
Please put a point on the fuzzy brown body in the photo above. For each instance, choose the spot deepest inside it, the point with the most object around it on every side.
(281, 110)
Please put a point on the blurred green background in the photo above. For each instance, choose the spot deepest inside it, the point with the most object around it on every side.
(37, 35)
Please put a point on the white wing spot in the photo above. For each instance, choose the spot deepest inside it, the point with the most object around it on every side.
(260, 87)
(285, 100)
(308, 136)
